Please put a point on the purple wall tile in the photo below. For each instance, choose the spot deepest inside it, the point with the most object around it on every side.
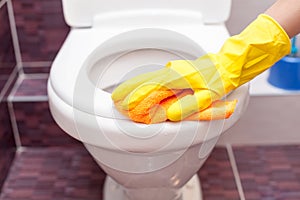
(217, 179)
(7, 145)
(14, 78)
(7, 65)
(269, 172)
(7, 54)
(41, 28)
(36, 70)
(32, 87)
(35, 124)
(2, 82)
(37, 127)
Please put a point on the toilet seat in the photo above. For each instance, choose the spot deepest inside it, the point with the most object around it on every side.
(191, 26)
(111, 41)
(80, 13)
(85, 110)
(97, 123)
(82, 49)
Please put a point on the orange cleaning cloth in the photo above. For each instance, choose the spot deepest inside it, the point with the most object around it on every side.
(153, 108)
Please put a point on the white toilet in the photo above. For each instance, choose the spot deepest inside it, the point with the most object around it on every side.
(111, 41)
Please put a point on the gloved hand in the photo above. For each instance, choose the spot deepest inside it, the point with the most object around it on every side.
(211, 76)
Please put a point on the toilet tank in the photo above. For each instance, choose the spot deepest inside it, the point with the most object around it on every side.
(81, 13)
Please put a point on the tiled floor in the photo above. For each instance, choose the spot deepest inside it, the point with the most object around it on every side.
(217, 178)
(51, 165)
(266, 172)
(53, 173)
(269, 172)
(71, 173)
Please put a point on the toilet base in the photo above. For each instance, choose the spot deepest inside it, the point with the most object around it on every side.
(191, 190)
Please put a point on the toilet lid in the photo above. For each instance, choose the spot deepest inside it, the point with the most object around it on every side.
(80, 13)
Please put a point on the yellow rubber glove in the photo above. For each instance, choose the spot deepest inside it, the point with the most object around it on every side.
(212, 76)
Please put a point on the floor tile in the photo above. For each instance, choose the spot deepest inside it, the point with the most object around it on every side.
(54, 173)
(269, 172)
(217, 178)
(71, 173)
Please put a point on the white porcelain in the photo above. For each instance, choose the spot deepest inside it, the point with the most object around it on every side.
(190, 191)
(80, 13)
(156, 159)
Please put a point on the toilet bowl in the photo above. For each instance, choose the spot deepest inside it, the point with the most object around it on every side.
(112, 41)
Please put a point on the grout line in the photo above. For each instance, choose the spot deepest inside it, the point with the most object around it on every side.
(38, 64)
(39, 98)
(13, 91)
(14, 124)
(29, 98)
(13, 163)
(235, 171)
(14, 35)
(21, 149)
(36, 76)
(9, 82)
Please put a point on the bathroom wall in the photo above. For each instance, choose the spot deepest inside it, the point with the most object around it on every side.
(245, 11)
(31, 33)
(41, 30)
(8, 74)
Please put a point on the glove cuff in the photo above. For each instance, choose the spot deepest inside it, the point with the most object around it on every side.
(283, 34)
(254, 50)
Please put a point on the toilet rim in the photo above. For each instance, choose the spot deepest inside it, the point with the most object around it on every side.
(119, 134)
(163, 40)
(86, 92)
(105, 137)
(81, 43)
(110, 123)
(65, 68)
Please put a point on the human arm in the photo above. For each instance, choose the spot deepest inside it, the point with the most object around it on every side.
(242, 57)
(287, 14)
